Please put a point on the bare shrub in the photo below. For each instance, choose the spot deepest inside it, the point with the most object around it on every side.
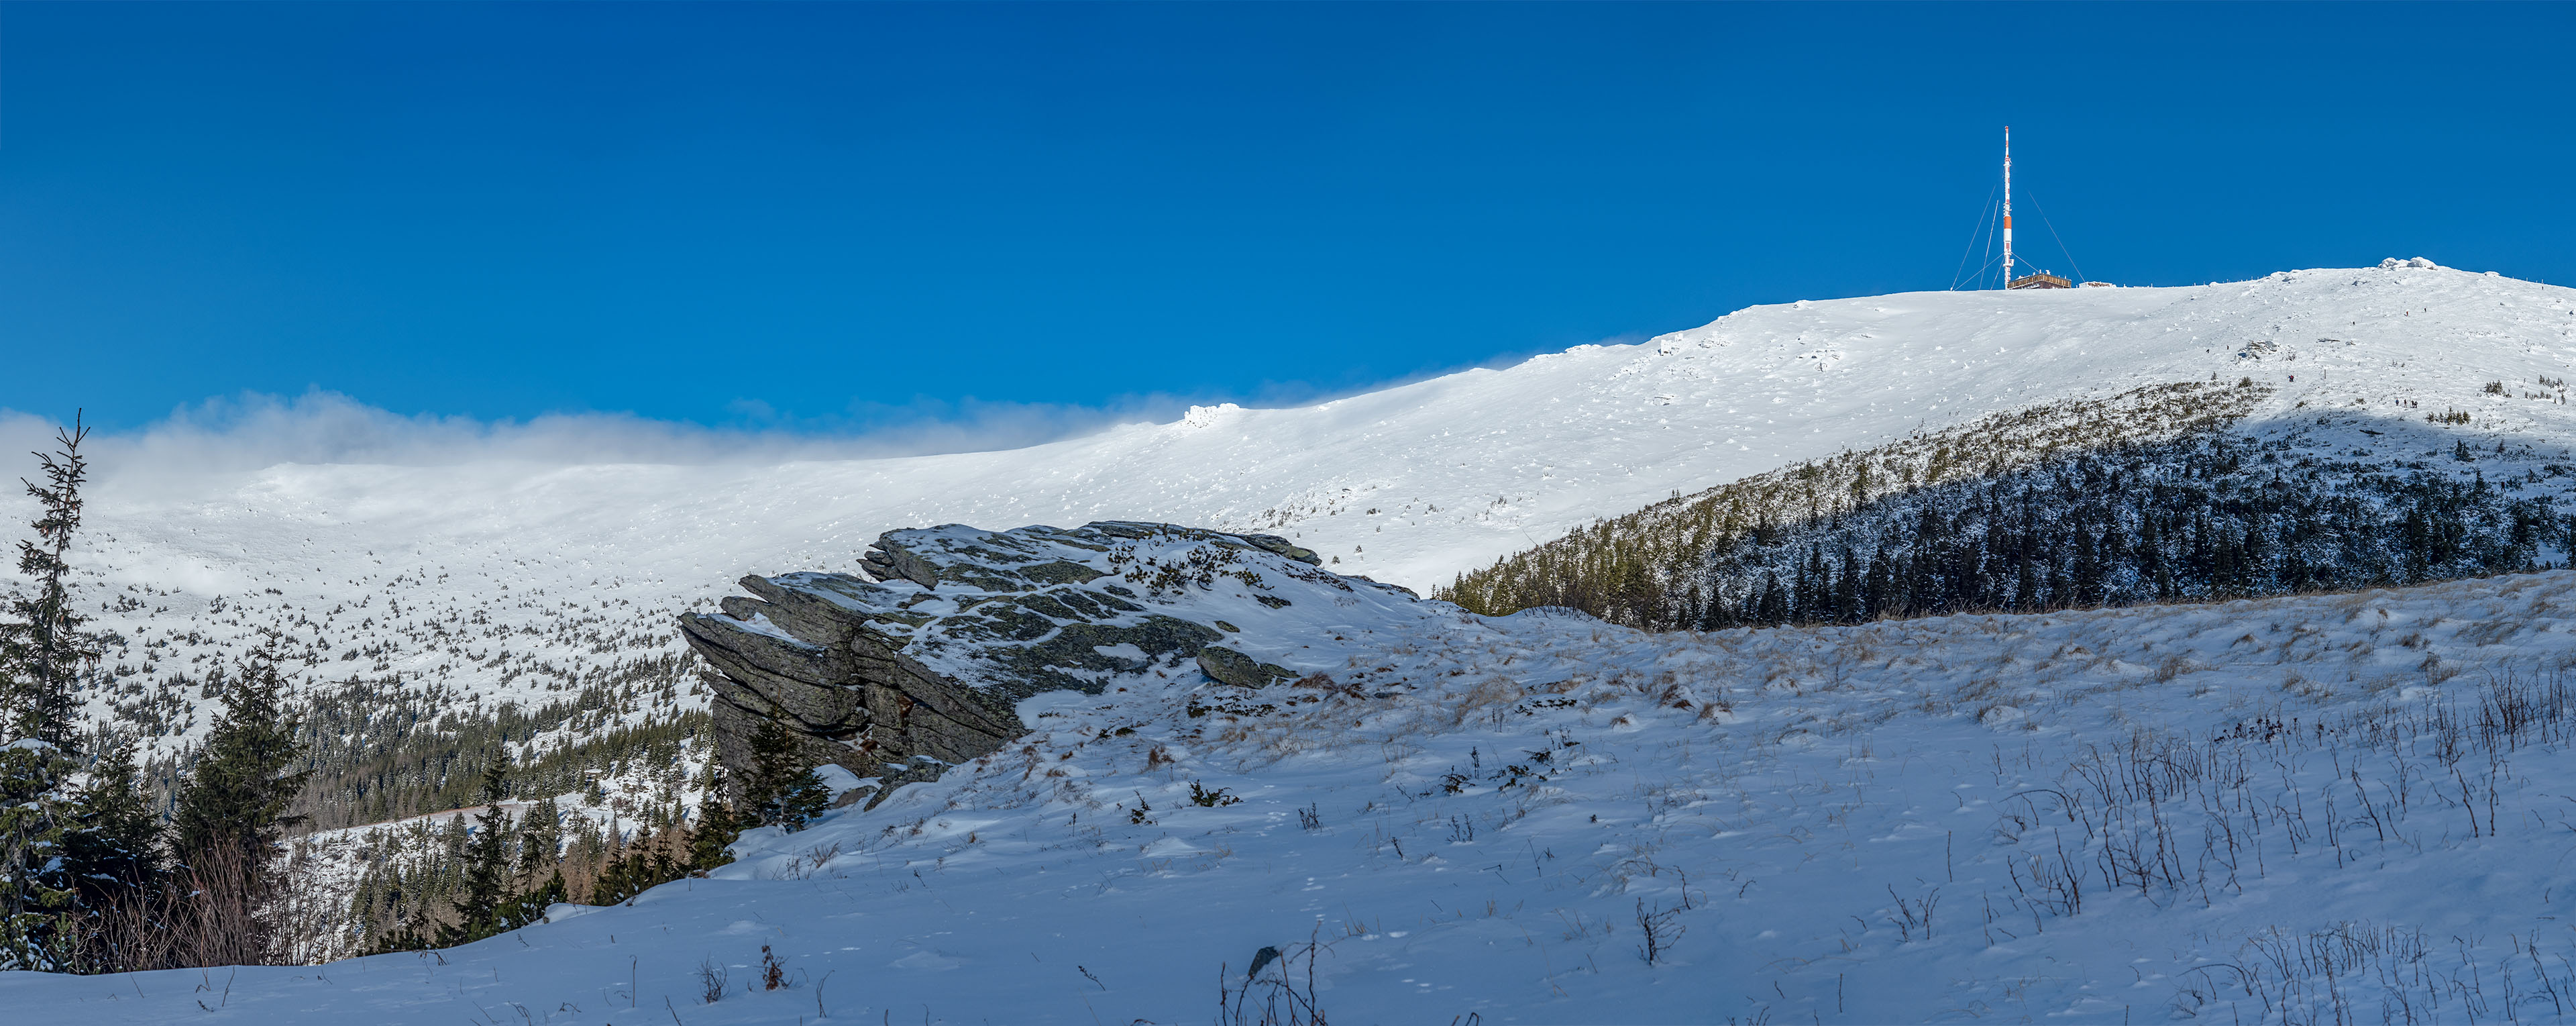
(2436, 671)
(1272, 993)
(711, 980)
(219, 911)
(773, 969)
(2172, 666)
(806, 865)
(1657, 927)
(1913, 919)
(1490, 693)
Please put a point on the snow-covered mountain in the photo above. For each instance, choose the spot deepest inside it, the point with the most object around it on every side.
(1731, 786)
(509, 581)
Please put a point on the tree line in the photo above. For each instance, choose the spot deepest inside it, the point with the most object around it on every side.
(2194, 519)
(2145, 497)
(379, 752)
(1632, 569)
(461, 880)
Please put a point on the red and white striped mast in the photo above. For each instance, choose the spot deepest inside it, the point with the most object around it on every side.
(2008, 206)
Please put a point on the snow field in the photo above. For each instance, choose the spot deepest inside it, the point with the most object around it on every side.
(1931, 820)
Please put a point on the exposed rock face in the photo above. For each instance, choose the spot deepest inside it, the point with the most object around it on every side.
(918, 662)
(1227, 666)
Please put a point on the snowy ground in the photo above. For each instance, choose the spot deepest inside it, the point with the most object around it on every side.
(2325, 808)
(505, 581)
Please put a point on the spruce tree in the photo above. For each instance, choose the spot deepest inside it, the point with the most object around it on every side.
(238, 792)
(112, 862)
(486, 883)
(37, 923)
(532, 905)
(717, 826)
(540, 839)
(42, 647)
(232, 810)
(118, 845)
(42, 654)
(781, 790)
(714, 835)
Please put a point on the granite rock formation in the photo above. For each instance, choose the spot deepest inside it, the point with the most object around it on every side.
(917, 661)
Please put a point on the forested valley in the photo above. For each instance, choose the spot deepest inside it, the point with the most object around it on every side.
(352, 816)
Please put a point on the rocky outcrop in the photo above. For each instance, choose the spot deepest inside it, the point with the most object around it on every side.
(918, 661)
(1227, 666)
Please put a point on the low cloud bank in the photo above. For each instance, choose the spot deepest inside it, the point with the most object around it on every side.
(251, 432)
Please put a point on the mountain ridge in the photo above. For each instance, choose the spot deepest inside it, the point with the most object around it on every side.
(514, 583)
(1620, 788)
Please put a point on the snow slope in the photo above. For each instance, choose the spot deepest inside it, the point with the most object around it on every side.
(502, 580)
(2293, 810)
(1786, 786)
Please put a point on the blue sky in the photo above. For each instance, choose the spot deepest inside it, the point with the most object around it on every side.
(832, 218)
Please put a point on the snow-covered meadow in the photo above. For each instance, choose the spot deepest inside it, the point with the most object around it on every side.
(2306, 809)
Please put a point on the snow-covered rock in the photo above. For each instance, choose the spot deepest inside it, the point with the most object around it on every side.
(916, 663)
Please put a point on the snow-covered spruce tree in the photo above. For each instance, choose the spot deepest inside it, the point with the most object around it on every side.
(232, 810)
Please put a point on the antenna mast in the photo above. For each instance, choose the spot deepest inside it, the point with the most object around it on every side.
(2008, 206)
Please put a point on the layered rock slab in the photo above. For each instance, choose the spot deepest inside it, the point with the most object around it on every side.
(918, 659)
